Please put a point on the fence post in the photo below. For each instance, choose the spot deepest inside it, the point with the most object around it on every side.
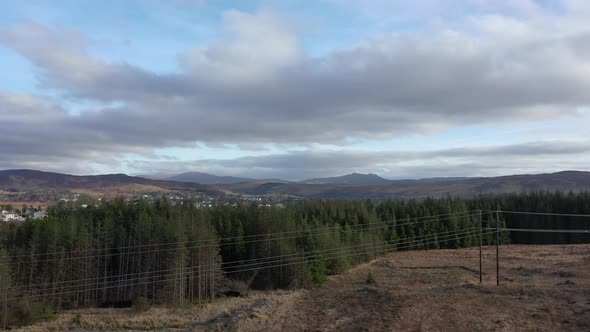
(497, 247)
(480, 246)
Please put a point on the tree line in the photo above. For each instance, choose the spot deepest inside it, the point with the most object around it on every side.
(118, 252)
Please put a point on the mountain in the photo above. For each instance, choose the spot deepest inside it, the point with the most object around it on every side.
(354, 178)
(31, 180)
(205, 178)
(156, 176)
(436, 187)
(352, 186)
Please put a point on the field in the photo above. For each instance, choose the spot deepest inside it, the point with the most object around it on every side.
(543, 288)
(20, 204)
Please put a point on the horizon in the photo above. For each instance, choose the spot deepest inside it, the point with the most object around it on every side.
(149, 176)
(295, 91)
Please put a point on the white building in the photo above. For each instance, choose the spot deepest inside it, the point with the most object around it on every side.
(39, 215)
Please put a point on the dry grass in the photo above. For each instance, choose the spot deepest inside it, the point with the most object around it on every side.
(120, 190)
(20, 204)
(544, 288)
(216, 315)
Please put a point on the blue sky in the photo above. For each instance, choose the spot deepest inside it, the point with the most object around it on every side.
(271, 88)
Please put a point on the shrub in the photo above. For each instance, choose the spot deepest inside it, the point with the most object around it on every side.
(46, 312)
(76, 321)
(370, 279)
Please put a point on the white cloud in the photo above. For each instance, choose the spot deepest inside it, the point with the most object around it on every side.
(255, 47)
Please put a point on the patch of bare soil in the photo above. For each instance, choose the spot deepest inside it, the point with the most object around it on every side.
(543, 288)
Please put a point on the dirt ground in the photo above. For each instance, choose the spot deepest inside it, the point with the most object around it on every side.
(543, 288)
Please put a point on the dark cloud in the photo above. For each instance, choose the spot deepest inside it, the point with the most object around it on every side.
(296, 165)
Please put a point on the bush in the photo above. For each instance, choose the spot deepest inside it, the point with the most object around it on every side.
(46, 312)
(140, 304)
(370, 279)
(76, 321)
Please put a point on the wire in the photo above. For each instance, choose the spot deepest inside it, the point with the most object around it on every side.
(236, 238)
(306, 233)
(188, 269)
(543, 213)
(539, 230)
(238, 263)
(314, 253)
(220, 274)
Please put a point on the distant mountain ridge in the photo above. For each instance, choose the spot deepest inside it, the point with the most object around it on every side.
(435, 187)
(206, 178)
(354, 178)
(32, 180)
(352, 186)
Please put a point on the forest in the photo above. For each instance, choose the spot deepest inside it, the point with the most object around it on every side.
(119, 253)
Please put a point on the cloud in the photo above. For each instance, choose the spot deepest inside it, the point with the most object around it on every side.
(256, 85)
(530, 157)
(256, 47)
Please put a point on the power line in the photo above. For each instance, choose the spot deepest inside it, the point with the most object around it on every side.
(240, 263)
(540, 230)
(265, 235)
(544, 213)
(302, 254)
(303, 257)
(246, 270)
(382, 224)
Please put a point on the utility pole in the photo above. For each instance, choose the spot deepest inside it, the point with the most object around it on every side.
(497, 248)
(480, 246)
(5, 310)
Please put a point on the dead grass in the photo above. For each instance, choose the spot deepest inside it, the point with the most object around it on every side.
(210, 316)
(20, 204)
(543, 288)
(120, 190)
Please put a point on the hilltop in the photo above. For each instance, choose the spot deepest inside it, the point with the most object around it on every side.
(354, 178)
(32, 180)
(379, 188)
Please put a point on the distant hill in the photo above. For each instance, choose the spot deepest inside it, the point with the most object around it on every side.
(354, 178)
(156, 176)
(31, 180)
(206, 178)
(352, 186)
(436, 187)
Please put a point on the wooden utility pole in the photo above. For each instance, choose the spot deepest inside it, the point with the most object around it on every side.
(480, 246)
(6, 310)
(497, 248)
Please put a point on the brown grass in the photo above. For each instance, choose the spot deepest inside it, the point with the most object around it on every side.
(120, 190)
(19, 204)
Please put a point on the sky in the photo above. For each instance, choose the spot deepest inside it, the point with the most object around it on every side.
(295, 89)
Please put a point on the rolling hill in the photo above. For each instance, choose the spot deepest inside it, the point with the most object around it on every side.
(354, 178)
(205, 178)
(31, 180)
(439, 187)
(353, 186)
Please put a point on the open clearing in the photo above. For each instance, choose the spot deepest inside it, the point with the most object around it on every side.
(543, 288)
